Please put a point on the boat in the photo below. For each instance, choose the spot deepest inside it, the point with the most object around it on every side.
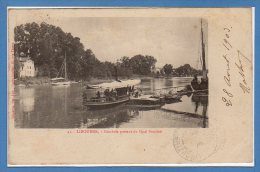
(102, 102)
(169, 94)
(145, 101)
(60, 81)
(91, 86)
(109, 94)
(200, 97)
(172, 98)
(203, 85)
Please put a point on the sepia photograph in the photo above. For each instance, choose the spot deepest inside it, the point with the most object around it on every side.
(130, 86)
(124, 72)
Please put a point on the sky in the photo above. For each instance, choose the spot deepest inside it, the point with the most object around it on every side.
(171, 40)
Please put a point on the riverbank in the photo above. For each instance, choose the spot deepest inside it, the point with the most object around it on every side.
(33, 81)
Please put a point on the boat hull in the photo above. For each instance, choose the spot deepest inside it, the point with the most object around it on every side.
(145, 102)
(144, 107)
(104, 105)
(61, 84)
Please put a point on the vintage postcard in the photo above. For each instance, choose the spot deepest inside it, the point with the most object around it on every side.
(130, 86)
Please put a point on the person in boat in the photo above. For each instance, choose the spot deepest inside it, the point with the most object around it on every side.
(106, 93)
(195, 83)
(98, 95)
(112, 95)
(195, 79)
(128, 90)
(132, 89)
(137, 92)
(116, 94)
(204, 84)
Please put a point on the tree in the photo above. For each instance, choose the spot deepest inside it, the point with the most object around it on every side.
(186, 70)
(167, 68)
(46, 45)
(142, 64)
(124, 67)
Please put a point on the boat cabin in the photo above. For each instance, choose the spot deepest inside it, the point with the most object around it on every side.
(108, 94)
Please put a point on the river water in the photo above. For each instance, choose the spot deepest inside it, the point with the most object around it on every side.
(61, 107)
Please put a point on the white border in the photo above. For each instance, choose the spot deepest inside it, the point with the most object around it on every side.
(252, 164)
(253, 90)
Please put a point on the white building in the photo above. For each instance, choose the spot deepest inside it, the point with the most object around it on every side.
(27, 68)
(156, 70)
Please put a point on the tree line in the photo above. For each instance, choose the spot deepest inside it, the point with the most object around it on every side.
(184, 70)
(47, 45)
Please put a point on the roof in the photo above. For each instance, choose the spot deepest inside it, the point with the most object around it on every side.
(117, 84)
(25, 59)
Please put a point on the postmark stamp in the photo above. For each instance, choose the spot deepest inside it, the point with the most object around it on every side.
(198, 145)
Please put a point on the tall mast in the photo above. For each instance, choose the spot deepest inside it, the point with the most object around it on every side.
(65, 67)
(204, 70)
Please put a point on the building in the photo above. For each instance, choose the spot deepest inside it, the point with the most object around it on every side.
(156, 70)
(27, 68)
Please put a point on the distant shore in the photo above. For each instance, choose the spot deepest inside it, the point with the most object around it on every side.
(47, 81)
(34, 81)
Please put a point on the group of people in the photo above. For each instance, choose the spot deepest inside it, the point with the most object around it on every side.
(110, 95)
(114, 94)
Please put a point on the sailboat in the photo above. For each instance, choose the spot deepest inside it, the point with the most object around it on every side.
(203, 85)
(60, 81)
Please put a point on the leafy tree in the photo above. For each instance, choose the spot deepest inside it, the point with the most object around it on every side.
(142, 64)
(167, 68)
(47, 46)
(187, 70)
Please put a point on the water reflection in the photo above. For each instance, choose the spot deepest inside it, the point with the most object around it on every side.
(26, 103)
(201, 100)
(27, 99)
(125, 117)
(108, 118)
(61, 107)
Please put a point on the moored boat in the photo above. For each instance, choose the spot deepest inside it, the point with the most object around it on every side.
(145, 101)
(102, 102)
(203, 84)
(109, 94)
(169, 95)
(172, 98)
(60, 81)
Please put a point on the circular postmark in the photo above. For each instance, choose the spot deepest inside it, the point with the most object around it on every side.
(197, 144)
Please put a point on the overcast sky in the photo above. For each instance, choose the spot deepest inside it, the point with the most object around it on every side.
(169, 40)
